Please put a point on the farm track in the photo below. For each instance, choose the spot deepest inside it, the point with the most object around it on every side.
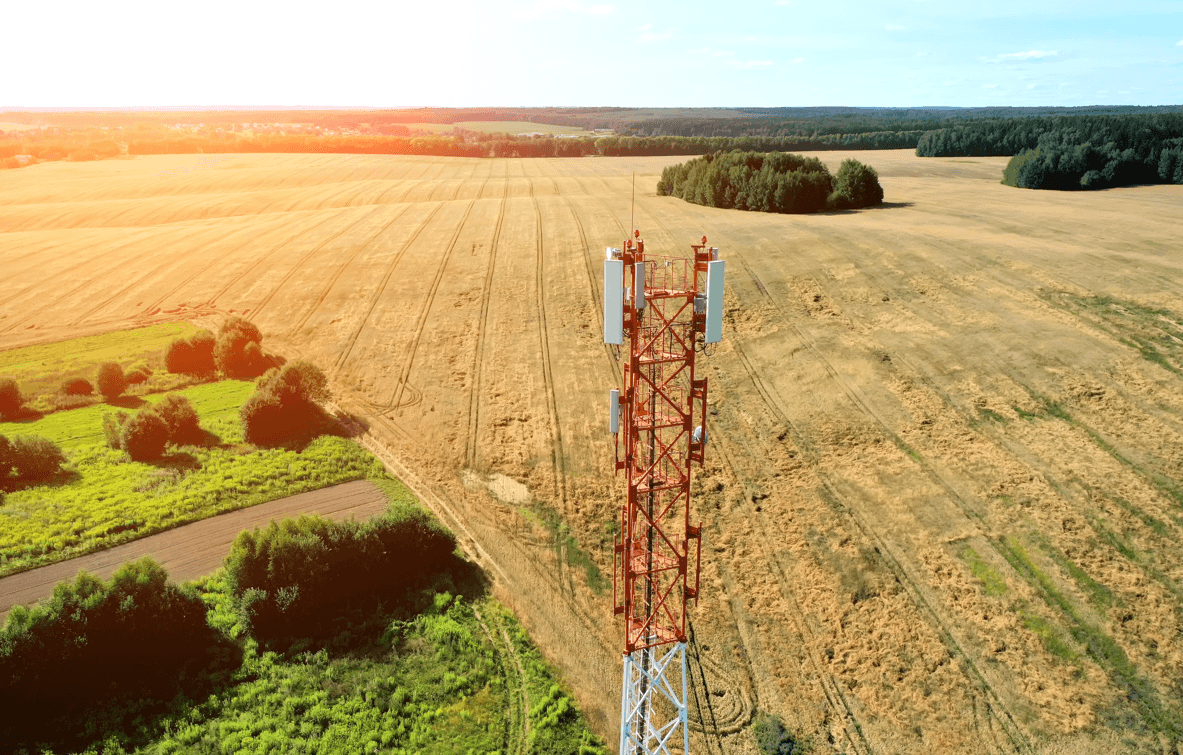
(1019, 738)
(319, 300)
(425, 312)
(343, 357)
(558, 455)
(478, 362)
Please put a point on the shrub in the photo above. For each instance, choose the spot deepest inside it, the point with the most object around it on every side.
(36, 458)
(231, 353)
(144, 436)
(11, 399)
(285, 404)
(191, 356)
(771, 736)
(113, 423)
(856, 185)
(110, 380)
(96, 644)
(61, 401)
(77, 386)
(291, 575)
(180, 418)
(7, 458)
(135, 377)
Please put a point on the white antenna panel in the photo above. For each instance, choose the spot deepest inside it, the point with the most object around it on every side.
(714, 329)
(614, 301)
(639, 284)
(613, 411)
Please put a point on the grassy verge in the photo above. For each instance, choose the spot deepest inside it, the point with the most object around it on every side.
(40, 370)
(567, 545)
(107, 499)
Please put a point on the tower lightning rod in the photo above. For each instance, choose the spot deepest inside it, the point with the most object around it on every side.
(669, 309)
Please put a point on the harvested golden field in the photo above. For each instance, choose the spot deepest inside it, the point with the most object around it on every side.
(944, 495)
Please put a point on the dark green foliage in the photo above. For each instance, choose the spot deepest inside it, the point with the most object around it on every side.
(856, 185)
(11, 399)
(771, 736)
(110, 380)
(94, 644)
(288, 578)
(180, 418)
(7, 459)
(34, 458)
(286, 405)
(774, 182)
(192, 356)
(233, 352)
(136, 376)
(144, 435)
(77, 386)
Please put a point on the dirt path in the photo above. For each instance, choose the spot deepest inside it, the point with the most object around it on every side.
(197, 549)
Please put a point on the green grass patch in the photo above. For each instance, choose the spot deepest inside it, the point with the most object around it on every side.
(39, 370)
(991, 581)
(567, 545)
(1098, 594)
(993, 416)
(1100, 647)
(109, 500)
(1051, 638)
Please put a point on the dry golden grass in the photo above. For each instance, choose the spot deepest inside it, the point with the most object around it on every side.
(943, 497)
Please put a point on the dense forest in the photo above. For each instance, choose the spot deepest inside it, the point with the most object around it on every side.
(1079, 152)
(775, 182)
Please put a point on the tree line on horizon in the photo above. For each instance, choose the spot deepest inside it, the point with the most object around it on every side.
(771, 182)
(1071, 153)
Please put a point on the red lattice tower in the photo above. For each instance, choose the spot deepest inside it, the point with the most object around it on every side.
(670, 308)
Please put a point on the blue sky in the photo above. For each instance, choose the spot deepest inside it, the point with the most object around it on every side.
(594, 52)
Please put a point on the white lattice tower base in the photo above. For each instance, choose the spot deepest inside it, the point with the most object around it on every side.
(646, 727)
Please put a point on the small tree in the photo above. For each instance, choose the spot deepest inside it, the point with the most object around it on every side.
(191, 356)
(36, 458)
(113, 423)
(856, 185)
(111, 381)
(231, 353)
(180, 417)
(11, 399)
(144, 436)
(136, 376)
(77, 386)
(285, 405)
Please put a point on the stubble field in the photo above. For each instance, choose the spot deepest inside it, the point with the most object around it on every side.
(944, 495)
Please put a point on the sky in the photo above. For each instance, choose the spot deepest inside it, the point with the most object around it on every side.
(537, 53)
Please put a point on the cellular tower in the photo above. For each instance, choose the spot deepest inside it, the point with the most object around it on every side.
(667, 309)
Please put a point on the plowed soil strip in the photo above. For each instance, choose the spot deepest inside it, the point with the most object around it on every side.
(197, 549)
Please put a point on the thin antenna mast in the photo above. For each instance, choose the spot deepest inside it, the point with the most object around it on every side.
(632, 210)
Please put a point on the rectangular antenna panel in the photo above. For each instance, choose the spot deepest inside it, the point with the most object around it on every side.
(639, 284)
(714, 329)
(613, 302)
(613, 411)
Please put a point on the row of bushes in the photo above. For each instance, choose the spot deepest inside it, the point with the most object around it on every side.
(75, 390)
(775, 182)
(145, 434)
(236, 352)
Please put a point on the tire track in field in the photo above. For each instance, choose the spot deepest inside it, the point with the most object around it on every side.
(114, 271)
(589, 267)
(169, 260)
(769, 396)
(517, 705)
(478, 359)
(332, 281)
(214, 299)
(425, 312)
(558, 454)
(352, 341)
(307, 256)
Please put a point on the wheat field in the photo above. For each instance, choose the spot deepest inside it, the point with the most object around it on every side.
(944, 493)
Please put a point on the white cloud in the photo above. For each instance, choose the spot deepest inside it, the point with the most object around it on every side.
(1179, 43)
(644, 27)
(989, 86)
(653, 36)
(698, 51)
(721, 53)
(745, 65)
(921, 54)
(895, 27)
(1029, 55)
(783, 2)
(552, 8)
(1032, 86)
(797, 60)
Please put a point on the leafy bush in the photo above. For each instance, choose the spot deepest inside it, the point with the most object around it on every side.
(144, 435)
(11, 399)
(234, 354)
(93, 644)
(285, 406)
(113, 423)
(35, 458)
(771, 736)
(77, 386)
(289, 577)
(192, 356)
(181, 419)
(135, 377)
(856, 185)
(110, 380)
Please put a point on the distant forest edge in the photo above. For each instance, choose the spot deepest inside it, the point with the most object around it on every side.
(1068, 153)
(771, 183)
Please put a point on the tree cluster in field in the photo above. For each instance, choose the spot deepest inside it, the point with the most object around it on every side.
(286, 406)
(1077, 152)
(28, 459)
(146, 434)
(775, 182)
(237, 352)
(288, 577)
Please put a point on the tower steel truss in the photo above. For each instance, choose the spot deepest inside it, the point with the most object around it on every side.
(662, 410)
